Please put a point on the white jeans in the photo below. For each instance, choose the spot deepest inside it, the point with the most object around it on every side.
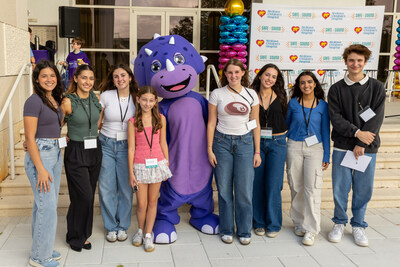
(304, 172)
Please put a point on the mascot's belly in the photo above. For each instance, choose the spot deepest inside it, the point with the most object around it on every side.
(188, 147)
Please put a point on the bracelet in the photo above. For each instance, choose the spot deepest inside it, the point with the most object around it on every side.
(256, 152)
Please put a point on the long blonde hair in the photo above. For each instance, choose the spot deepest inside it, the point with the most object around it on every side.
(155, 114)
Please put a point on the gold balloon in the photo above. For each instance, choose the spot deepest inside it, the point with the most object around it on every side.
(234, 7)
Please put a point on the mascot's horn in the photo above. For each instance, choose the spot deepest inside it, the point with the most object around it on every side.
(172, 41)
(148, 51)
(170, 66)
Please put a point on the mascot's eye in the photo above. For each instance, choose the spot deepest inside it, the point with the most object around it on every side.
(179, 59)
(155, 66)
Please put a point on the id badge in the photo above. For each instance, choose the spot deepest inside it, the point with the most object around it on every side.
(90, 142)
(266, 133)
(366, 114)
(251, 125)
(122, 136)
(151, 163)
(62, 142)
(311, 140)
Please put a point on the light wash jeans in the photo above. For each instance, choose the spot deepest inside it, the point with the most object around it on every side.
(268, 183)
(44, 211)
(343, 179)
(114, 190)
(234, 175)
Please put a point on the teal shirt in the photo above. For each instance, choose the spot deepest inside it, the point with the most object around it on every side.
(78, 121)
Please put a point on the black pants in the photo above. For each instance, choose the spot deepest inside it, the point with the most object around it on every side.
(82, 167)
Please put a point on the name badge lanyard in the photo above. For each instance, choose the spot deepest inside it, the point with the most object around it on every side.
(88, 114)
(266, 112)
(243, 96)
(120, 109)
(357, 97)
(147, 139)
(309, 115)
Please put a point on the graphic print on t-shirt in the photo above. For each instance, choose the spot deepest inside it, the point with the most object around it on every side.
(236, 108)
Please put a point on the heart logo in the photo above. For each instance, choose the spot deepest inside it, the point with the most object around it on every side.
(295, 29)
(261, 13)
(293, 58)
(321, 72)
(260, 42)
(257, 71)
(358, 29)
(326, 15)
(323, 44)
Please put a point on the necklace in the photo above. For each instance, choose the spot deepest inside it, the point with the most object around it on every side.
(123, 99)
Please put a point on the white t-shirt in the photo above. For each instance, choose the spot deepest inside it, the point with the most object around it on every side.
(233, 109)
(112, 113)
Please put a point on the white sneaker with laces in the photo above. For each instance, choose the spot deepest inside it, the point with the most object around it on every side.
(111, 236)
(227, 239)
(137, 240)
(299, 231)
(308, 239)
(148, 243)
(360, 237)
(122, 236)
(244, 240)
(335, 235)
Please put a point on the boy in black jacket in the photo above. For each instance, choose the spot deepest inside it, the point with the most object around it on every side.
(356, 108)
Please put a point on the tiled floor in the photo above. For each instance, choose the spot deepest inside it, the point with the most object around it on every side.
(196, 249)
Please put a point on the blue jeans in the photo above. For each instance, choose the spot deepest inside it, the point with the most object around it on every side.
(343, 179)
(114, 190)
(268, 183)
(44, 211)
(234, 175)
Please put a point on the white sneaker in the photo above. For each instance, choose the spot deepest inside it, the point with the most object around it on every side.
(148, 243)
(227, 239)
(111, 236)
(299, 231)
(244, 240)
(335, 235)
(308, 239)
(137, 240)
(360, 238)
(122, 236)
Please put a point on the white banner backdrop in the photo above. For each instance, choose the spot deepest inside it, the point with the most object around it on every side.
(312, 38)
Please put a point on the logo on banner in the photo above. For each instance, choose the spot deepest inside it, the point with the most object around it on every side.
(270, 58)
(301, 15)
(257, 71)
(260, 42)
(323, 44)
(295, 29)
(364, 16)
(261, 13)
(358, 29)
(293, 58)
(338, 30)
(275, 29)
(366, 44)
(295, 44)
(320, 72)
(326, 15)
(330, 59)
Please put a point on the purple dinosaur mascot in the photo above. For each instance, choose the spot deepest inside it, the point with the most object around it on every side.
(171, 64)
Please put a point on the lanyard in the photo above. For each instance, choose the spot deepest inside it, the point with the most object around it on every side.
(147, 139)
(120, 108)
(88, 114)
(359, 96)
(304, 113)
(266, 112)
(243, 96)
(58, 116)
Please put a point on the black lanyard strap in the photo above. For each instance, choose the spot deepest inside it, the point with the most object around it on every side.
(120, 108)
(266, 112)
(147, 139)
(359, 96)
(88, 114)
(304, 113)
(243, 96)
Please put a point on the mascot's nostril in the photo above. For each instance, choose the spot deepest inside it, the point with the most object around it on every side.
(161, 77)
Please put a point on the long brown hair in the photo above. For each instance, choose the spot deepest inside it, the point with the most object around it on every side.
(74, 86)
(155, 115)
(57, 92)
(108, 83)
(236, 62)
(278, 87)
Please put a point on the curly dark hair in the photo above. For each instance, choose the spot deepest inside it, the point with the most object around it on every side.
(358, 49)
(236, 62)
(318, 91)
(278, 87)
(108, 83)
(57, 92)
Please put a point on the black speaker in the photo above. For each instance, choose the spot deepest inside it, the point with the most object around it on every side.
(69, 21)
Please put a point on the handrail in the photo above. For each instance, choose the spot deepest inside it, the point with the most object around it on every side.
(8, 105)
(212, 68)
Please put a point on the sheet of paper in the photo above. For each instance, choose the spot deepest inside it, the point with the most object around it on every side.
(351, 162)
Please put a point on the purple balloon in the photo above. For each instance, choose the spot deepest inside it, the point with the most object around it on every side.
(230, 53)
(398, 48)
(242, 59)
(396, 67)
(224, 47)
(397, 61)
(223, 60)
(242, 53)
(397, 55)
(239, 47)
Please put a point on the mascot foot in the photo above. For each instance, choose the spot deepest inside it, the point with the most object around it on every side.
(208, 224)
(164, 232)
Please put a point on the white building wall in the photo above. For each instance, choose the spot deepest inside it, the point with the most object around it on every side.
(333, 3)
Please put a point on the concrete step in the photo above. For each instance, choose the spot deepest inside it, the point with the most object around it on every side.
(390, 131)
